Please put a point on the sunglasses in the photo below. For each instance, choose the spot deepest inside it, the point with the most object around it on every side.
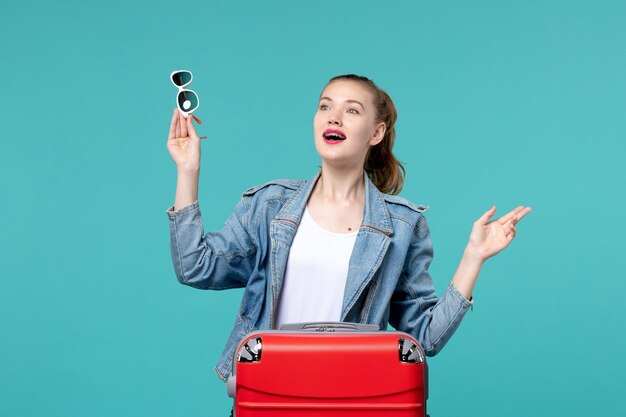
(187, 100)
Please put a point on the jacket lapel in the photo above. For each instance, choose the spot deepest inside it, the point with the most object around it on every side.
(370, 247)
(282, 231)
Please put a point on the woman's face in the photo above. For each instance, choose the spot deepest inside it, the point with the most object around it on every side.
(346, 107)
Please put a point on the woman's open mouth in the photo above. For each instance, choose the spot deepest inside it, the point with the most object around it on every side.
(332, 136)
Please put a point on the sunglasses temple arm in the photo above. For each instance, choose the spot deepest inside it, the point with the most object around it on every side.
(196, 119)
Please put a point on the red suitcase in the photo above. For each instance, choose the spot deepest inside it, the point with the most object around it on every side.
(329, 369)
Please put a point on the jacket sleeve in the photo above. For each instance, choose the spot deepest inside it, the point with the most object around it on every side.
(217, 260)
(415, 307)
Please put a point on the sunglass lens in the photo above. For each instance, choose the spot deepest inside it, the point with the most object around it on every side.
(181, 78)
(187, 101)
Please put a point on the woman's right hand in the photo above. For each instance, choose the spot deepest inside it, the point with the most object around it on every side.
(183, 143)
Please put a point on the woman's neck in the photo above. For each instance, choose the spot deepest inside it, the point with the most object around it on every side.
(340, 184)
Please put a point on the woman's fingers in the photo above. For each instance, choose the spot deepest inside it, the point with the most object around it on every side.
(486, 216)
(508, 226)
(516, 215)
(510, 235)
(178, 123)
(191, 129)
(509, 215)
(522, 213)
(183, 127)
(512, 217)
(172, 134)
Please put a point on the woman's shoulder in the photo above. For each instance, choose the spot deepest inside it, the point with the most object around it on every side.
(401, 202)
(404, 210)
(280, 185)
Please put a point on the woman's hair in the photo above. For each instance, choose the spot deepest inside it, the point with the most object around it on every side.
(382, 167)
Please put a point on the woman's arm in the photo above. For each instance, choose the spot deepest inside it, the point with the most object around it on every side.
(486, 240)
(467, 273)
(217, 260)
(415, 307)
(186, 188)
(184, 147)
(220, 259)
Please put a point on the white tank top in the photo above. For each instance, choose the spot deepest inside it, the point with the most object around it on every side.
(315, 276)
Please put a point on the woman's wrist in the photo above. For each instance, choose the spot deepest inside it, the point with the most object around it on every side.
(188, 171)
(467, 272)
(472, 255)
(186, 188)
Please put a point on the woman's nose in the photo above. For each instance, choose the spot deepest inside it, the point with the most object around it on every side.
(333, 119)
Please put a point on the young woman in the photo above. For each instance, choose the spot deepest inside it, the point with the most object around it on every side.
(341, 246)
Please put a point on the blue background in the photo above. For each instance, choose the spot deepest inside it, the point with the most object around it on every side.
(499, 102)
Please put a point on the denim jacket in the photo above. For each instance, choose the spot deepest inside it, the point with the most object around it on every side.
(388, 280)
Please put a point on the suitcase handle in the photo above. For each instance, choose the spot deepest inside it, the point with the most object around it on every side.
(330, 326)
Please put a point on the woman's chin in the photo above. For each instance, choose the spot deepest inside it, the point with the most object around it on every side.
(331, 156)
(334, 155)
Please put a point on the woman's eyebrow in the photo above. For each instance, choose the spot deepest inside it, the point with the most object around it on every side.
(347, 101)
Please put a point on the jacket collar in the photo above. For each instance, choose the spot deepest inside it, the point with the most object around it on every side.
(375, 214)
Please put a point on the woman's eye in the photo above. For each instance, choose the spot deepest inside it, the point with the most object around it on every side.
(352, 110)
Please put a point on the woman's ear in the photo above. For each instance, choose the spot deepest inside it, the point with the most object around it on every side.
(379, 134)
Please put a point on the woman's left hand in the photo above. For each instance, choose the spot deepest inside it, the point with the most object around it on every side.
(489, 238)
